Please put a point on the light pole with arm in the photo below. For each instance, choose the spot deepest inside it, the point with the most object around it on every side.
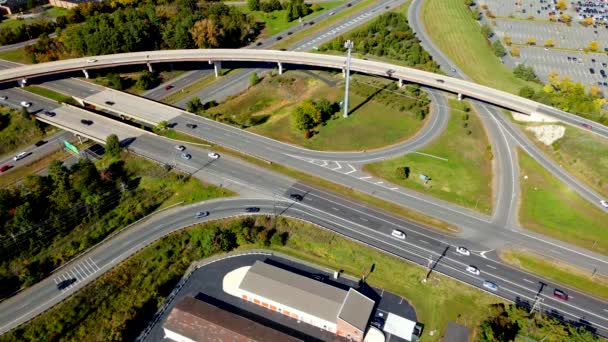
(348, 45)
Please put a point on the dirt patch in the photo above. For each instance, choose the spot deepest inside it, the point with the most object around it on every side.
(547, 134)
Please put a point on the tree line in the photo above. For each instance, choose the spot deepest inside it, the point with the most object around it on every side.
(294, 9)
(388, 36)
(148, 26)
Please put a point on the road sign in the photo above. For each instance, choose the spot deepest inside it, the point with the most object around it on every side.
(70, 146)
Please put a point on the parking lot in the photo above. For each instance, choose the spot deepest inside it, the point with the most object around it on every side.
(543, 9)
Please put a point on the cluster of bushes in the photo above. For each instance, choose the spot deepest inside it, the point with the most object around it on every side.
(571, 97)
(47, 220)
(408, 99)
(180, 25)
(388, 36)
(310, 114)
(17, 129)
(197, 107)
(525, 73)
(294, 8)
(120, 304)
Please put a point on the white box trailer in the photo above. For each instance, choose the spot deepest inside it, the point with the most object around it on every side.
(402, 327)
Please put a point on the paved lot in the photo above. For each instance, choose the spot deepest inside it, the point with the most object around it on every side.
(543, 9)
(206, 283)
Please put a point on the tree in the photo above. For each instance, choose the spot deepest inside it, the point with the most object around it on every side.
(507, 40)
(526, 92)
(161, 126)
(326, 108)
(308, 108)
(588, 21)
(115, 81)
(525, 73)
(194, 105)
(147, 80)
(564, 18)
(206, 34)
(277, 239)
(593, 46)
(303, 121)
(113, 145)
(562, 5)
(514, 51)
(253, 5)
(316, 7)
(25, 114)
(549, 43)
(531, 41)
(254, 79)
(486, 30)
(499, 50)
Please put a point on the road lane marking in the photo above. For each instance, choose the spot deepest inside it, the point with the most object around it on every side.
(379, 183)
(351, 171)
(394, 188)
(424, 241)
(490, 266)
(336, 209)
(366, 177)
(529, 281)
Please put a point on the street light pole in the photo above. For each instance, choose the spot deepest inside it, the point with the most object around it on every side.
(348, 45)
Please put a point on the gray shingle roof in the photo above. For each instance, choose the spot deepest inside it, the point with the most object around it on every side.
(356, 309)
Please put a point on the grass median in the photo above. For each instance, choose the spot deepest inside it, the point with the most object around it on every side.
(120, 304)
(459, 163)
(551, 208)
(559, 271)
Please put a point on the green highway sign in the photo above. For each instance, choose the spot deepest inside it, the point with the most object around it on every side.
(70, 146)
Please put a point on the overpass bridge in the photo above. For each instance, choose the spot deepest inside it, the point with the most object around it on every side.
(281, 58)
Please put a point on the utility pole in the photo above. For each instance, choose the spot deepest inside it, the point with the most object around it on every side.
(348, 45)
(538, 300)
(428, 267)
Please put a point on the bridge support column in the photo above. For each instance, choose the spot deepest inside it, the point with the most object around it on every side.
(400, 83)
(459, 97)
(280, 68)
(217, 67)
(86, 73)
(149, 67)
(343, 72)
(22, 82)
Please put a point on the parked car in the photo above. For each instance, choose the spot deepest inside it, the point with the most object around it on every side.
(472, 269)
(180, 147)
(252, 209)
(296, 197)
(86, 122)
(186, 156)
(26, 104)
(560, 294)
(20, 155)
(398, 234)
(213, 155)
(490, 285)
(201, 214)
(463, 251)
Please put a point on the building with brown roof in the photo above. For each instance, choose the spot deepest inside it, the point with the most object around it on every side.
(193, 320)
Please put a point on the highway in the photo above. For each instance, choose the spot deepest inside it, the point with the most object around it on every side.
(50, 145)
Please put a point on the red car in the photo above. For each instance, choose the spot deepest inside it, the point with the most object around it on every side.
(169, 87)
(587, 126)
(560, 294)
(4, 168)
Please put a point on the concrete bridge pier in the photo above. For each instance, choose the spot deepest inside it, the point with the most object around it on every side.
(344, 72)
(149, 67)
(86, 73)
(459, 97)
(280, 68)
(217, 67)
(22, 82)
(400, 83)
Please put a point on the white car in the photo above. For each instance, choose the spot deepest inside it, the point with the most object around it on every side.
(3, 98)
(463, 251)
(26, 104)
(20, 156)
(604, 203)
(213, 155)
(473, 269)
(398, 234)
(180, 147)
(92, 60)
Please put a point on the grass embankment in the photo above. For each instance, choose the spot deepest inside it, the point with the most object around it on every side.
(465, 178)
(583, 154)
(450, 25)
(276, 21)
(551, 208)
(559, 271)
(173, 134)
(377, 118)
(17, 131)
(16, 55)
(322, 25)
(51, 94)
(194, 87)
(119, 305)
(130, 75)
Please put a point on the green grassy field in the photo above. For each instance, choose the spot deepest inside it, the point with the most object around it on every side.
(51, 94)
(451, 27)
(558, 271)
(551, 208)
(465, 178)
(275, 22)
(371, 124)
(17, 56)
(583, 154)
(120, 303)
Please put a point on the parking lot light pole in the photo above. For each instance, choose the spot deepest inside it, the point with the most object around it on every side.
(348, 45)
